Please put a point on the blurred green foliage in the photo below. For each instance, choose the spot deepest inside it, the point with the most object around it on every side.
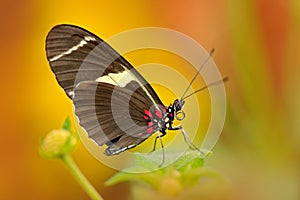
(185, 178)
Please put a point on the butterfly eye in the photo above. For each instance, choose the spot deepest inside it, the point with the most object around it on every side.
(178, 104)
(180, 115)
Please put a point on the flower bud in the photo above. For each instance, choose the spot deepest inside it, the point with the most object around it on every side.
(57, 143)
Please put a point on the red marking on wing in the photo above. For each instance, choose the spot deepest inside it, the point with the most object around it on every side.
(171, 114)
(150, 123)
(146, 117)
(150, 130)
(147, 112)
(140, 134)
(158, 113)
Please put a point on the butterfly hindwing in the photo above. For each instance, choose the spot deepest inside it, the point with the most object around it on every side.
(112, 115)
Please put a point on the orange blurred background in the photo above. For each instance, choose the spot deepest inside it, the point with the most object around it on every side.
(256, 45)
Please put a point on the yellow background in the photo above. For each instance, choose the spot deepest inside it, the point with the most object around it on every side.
(256, 44)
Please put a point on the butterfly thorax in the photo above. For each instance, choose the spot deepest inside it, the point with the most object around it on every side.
(160, 118)
(174, 111)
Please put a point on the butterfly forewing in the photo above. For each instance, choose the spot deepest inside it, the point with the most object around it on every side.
(110, 97)
(77, 55)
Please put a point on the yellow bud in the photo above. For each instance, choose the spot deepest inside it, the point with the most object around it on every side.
(57, 143)
(170, 186)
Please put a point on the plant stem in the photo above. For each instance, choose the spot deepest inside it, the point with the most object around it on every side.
(82, 180)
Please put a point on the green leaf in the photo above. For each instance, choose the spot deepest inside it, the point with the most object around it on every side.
(191, 159)
(144, 162)
(67, 124)
(149, 162)
(120, 177)
(189, 163)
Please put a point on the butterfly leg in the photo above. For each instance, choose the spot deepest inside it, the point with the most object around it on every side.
(162, 146)
(186, 138)
(189, 142)
(175, 127)
(157, 137)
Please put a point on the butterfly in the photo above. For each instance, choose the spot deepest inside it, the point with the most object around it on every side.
(113, 102)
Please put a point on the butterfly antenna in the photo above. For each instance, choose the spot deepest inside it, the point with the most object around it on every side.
(207, 86)
(203, 64)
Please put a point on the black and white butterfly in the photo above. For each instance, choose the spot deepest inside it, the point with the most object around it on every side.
(115, 105)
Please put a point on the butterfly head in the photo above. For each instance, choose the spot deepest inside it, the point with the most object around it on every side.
(178, 106)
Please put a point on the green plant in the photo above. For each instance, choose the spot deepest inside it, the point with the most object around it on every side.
(186, 178)
(58, 144)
